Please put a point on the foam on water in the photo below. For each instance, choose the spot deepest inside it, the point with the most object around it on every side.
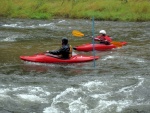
(28, 26)
(9, 25)
(131, 88)
(10, 38)
(32, 94)
(124, 57)
(33, 25)
(45, 25)
(78, 106)
(118, 84)
(108, 57)
(64, 95)
(61, 21)
(76, 98)
(32, 98)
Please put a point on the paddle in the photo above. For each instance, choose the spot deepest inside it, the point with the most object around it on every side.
(80, 34)
(77, 33)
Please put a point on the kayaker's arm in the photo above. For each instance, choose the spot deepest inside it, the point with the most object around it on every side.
(57, 52)
(63, 52)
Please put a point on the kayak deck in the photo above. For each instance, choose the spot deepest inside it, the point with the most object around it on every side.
(98, 47)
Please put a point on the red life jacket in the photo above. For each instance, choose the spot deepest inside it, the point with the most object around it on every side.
(103, 38)
(108, 38)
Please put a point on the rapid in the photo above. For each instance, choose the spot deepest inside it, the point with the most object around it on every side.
(119, 82)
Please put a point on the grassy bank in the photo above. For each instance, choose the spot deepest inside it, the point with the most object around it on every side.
(132, 10)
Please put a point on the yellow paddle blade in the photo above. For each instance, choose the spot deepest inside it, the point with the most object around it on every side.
(77, 33)
(118, 44)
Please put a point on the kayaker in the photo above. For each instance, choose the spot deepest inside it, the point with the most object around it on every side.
(65, 52)
(103, 38)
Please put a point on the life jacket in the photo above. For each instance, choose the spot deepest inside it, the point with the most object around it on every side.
(70, 51)
(103, 38)
(64, 52)
(108, 38)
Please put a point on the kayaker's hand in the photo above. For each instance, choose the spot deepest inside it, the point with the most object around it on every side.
(47, 51)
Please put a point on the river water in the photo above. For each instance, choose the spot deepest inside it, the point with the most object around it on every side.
(119, 82)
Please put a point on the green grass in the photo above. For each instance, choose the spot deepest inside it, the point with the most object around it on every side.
(114, 10)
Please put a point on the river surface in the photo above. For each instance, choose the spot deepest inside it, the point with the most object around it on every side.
(119, 82)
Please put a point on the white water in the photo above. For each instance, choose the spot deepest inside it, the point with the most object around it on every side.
(118, 84)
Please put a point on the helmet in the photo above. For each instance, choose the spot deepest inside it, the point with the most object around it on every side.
(102, 32)
(64, 40)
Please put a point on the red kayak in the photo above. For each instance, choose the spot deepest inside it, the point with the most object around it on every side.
(98, 47)
(44, 58)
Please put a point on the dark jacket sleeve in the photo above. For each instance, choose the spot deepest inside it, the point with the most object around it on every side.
(57, 52)
(62, 50)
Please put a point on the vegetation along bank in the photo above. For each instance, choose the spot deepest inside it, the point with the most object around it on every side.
(114, 10)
